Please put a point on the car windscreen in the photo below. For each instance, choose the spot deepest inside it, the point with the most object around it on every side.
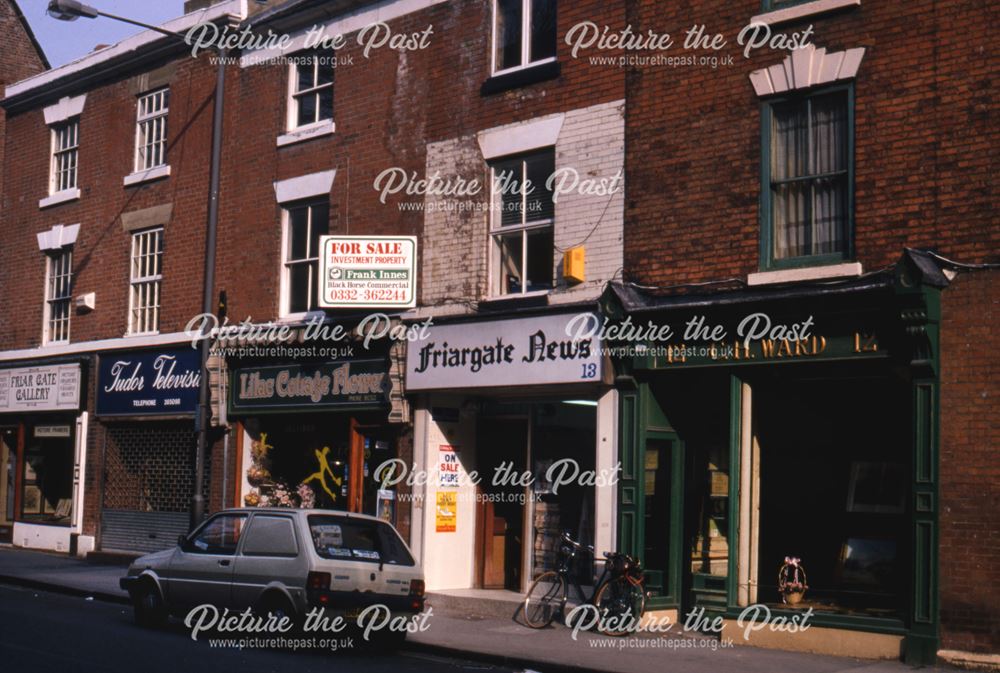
(337, 537)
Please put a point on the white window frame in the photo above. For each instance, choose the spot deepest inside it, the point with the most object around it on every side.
(294, 94)
(70, 153)
(58, 265)
(151, 116)
(285, 301)
(145, 282)
(498, 231)
(526, 62)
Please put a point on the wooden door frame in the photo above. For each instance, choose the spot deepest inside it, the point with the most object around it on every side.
(480, 556)
(356, 465)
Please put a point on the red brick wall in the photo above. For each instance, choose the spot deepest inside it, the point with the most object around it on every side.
(102, 251)
(386, 109)
(20, 59)
(925, 143)
(970, 469)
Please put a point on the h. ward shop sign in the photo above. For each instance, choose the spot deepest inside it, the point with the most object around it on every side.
(49, 388)
(368, 272)
(525, 351)
(143, 383)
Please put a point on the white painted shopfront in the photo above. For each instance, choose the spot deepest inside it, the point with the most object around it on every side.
(500, 406)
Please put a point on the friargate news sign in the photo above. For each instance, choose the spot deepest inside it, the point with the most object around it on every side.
(46, 388)
(525, 351)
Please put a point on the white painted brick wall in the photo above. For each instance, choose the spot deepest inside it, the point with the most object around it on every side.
(456, 245)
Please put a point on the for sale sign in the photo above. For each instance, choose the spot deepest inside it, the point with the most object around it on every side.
(368, 272)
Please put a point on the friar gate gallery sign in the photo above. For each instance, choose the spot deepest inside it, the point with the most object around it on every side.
(46, 388)
(526, 351)
(149, 383)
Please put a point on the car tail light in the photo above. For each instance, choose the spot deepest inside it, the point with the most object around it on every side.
(416, 587)
(315, 580)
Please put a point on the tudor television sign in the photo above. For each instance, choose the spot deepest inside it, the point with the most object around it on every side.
(368, 272)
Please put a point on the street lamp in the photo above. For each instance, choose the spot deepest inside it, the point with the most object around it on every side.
(70, 10)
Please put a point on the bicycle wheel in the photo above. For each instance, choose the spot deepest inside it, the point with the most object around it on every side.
(544, 599)
(620, 604)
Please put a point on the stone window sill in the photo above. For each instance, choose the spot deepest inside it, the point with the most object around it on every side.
(301, 135)
(64, 196)
(846, 270)
(147, 176)
(802, 11)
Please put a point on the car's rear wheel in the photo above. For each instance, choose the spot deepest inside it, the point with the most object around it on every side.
(150, 611)
(277, 605)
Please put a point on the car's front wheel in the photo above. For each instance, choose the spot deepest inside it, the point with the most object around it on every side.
(150, 611)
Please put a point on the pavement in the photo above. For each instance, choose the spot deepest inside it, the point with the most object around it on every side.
(484, 635)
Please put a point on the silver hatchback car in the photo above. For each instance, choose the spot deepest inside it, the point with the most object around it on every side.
(279, 561)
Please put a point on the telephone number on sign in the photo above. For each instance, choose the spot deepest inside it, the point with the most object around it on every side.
(395, 296)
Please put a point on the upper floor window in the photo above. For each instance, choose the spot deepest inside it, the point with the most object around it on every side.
(522, 221)
(524, 33)
(146, 277)
(151, 130)
(303, 225)
(58, 290)
(311, 90)
(65, 155)
(807, 176)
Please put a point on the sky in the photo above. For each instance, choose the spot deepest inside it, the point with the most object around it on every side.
(64, 41)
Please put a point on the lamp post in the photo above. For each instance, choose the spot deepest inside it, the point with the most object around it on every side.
(70, 10)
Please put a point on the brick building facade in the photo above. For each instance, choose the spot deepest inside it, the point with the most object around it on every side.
(103, 257)
(918, 148)
(23, 57)
(309, 147)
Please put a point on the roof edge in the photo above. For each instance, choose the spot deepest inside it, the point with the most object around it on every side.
(31, 35)
(124, 51)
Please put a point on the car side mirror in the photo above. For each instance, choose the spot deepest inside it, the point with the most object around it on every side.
(182, 541)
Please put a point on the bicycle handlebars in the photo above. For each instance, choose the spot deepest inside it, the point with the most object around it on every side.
(576, 545)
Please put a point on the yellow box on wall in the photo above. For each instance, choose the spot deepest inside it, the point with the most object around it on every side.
(574, 265)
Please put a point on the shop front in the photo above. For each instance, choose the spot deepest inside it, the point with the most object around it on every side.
(515, 444)
(43, 435)
(145, 403)
(786, 464)
(310, 434)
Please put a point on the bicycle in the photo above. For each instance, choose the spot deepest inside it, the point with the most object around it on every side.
(618, 594)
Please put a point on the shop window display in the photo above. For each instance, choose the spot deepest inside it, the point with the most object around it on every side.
(47, 474)
(833, 478)
(307, 463)
(560, 431)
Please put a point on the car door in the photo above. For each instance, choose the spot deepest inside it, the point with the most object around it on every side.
(270, 555)
(202, 568)
(397, 567)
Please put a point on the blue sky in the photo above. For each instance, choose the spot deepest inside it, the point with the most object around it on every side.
(65, 41)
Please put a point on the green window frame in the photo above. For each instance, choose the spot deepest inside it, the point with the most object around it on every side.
(769, 260)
